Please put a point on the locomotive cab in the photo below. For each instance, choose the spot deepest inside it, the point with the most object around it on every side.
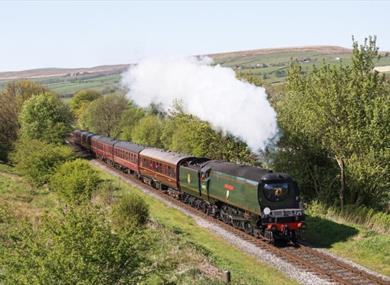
(281, 215)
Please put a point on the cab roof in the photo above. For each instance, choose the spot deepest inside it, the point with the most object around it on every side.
(244, 171)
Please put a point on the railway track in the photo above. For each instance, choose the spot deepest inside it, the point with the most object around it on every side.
(302, 256)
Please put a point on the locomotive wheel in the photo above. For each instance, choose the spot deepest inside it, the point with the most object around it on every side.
(248, 228)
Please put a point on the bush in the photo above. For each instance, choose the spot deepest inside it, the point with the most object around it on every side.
(131, 210)
(75, 180)
(37, 160)
(80, 247)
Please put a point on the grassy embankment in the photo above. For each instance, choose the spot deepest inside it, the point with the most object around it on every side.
(193, 253)
(344, 237)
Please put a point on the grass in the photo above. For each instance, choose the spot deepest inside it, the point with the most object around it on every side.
(24, 199)
(244, 268)
(351, 241)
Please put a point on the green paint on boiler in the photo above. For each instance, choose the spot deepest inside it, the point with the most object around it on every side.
(237, 191)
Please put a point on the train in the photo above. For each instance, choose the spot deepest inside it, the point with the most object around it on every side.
(258, 201)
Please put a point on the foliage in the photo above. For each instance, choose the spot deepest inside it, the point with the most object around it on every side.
(188, 134)
(80, 247)
(22, 90)
(148, 131)
(130, 118)
(37, 160)
(75, 180)
(11, 99)
(130, 211)
(341, 114)
(81, 100)
(45, 117)
(103, 116)
(250, 78)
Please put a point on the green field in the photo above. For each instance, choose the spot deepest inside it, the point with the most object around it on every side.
(66, 86)
(272, 68)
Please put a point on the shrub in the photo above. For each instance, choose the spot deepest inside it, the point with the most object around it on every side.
(37, 160)
(130, 210)
(75, 180)
(79, 247)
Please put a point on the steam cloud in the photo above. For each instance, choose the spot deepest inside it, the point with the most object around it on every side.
(212, 93)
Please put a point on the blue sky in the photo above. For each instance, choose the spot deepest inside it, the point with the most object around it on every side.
(38, 34)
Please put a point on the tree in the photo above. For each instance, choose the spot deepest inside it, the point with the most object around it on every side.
(75, 180)
(11, 99)
(344, 111)
(103, 116)
(148, 131)
(45, 117)
(82, 99)
(37, 160)
(130, 118)
(188, 134)
(23, 90)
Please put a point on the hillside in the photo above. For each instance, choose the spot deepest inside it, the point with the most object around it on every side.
(270, 65)
(63, 72)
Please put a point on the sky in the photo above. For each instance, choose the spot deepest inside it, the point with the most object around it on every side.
(39, 34)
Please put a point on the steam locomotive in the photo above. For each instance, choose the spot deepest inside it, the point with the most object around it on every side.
(256, 200)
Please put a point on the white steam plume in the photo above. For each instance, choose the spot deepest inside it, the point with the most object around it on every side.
(212, 93)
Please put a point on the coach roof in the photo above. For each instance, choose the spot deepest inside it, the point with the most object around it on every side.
(105, 140)
(130, 146)
(165, 156)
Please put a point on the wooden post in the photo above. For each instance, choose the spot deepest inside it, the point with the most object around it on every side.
(226, 277)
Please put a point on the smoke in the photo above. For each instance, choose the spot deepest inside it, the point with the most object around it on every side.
(212, 93)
